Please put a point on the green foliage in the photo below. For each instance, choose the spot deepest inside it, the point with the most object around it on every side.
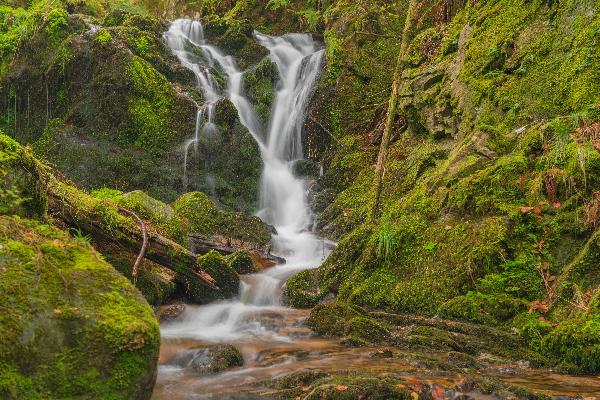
(311, 18)
(103, 36)
(277, 4)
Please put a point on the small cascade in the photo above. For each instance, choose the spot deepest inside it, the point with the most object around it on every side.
(257, 314)
(183, 37)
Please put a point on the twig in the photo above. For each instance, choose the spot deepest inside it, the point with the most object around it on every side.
(324, 129)
(142, 253)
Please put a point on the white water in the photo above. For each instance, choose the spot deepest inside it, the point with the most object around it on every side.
(283, 197)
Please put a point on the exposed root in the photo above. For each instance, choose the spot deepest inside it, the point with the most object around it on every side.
(142, 253)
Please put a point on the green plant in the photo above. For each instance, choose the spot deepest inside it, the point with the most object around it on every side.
(311, 18)
(80, 237)
(275, 5)
(386, 243)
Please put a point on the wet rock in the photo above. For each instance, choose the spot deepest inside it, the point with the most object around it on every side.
(302, 291)
(209, 360)
(170, 312)
(382, 353)
(242, 263)
(306, 168)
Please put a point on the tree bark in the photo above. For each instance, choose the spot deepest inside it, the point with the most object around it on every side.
(407, 34)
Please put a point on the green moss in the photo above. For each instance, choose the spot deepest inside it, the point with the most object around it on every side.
(80, 307)
(366, 330)
(204, 218)
(226, 277)
(482, 308)
(302, 291)
(150, 105)
(103, 36)
(241, 262)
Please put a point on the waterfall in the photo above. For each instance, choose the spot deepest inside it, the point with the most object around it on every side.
(283, 197)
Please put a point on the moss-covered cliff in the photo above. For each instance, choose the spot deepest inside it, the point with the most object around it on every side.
(490, 195)
(96, 91)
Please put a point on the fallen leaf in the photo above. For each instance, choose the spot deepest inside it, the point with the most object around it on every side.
(556, 205)
(298, 398)
(525, 209)
(306, 389)
(341, 388)
(402, 386)
(438, 393)
(447, 227)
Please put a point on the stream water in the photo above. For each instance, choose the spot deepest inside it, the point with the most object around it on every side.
(272, 337)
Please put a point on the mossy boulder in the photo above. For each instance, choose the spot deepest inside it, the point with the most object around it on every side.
(301, 290)
(71, 327)
(225, 276)
(196, 213)
(483, 308)
(338, 319)
(242, 263)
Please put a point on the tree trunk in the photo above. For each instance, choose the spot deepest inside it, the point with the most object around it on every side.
(407, 34)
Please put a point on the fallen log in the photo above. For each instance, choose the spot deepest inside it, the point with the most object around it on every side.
(262, 255)
(104, 223)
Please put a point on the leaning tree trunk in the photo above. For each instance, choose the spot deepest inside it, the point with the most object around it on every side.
(407, 34)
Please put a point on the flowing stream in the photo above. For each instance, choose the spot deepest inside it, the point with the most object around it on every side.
(271, 337)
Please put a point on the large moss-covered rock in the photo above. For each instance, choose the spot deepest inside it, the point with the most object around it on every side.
(196, 213)
(71, 326)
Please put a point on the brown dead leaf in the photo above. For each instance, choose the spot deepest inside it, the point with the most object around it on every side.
(438, 393)
(556, 205)
(525, 209)
(540, 306)
(341, 388)
(306, 389)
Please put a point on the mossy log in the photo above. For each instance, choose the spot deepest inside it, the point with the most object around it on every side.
(106, 225)
(203, 244)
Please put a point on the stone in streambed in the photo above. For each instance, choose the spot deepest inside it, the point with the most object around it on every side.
(169, 312)
(209, 360)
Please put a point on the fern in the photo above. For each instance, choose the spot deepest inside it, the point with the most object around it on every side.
(275, 5)
(311, 18)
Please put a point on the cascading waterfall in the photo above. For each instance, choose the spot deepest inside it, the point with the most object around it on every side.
(283, 197)
(182, 38)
